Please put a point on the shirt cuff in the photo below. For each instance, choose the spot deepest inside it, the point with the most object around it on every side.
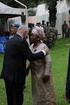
(44, 52)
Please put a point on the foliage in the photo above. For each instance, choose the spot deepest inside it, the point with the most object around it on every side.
(52, 12)
(32, 12)
(29, 3)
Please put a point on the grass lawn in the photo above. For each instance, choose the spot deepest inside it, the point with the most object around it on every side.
(59, 54)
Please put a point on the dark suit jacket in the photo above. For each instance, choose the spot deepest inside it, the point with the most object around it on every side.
(16, 53)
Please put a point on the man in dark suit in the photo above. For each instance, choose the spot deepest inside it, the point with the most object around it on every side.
(14, 66)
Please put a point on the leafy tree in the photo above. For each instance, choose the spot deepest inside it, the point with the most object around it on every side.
(52, 12)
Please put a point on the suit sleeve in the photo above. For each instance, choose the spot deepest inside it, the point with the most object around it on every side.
(29, 54)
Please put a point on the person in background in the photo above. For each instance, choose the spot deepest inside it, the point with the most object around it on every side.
(64, 29)
(30, 26)
(14, 65)
(13, 30)
(44, 25)
(68, 81)
(41, 74)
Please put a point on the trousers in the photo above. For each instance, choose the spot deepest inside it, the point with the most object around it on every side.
(14, 92)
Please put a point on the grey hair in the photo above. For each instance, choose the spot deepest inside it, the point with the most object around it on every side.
(38, 31)
(23, 27)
